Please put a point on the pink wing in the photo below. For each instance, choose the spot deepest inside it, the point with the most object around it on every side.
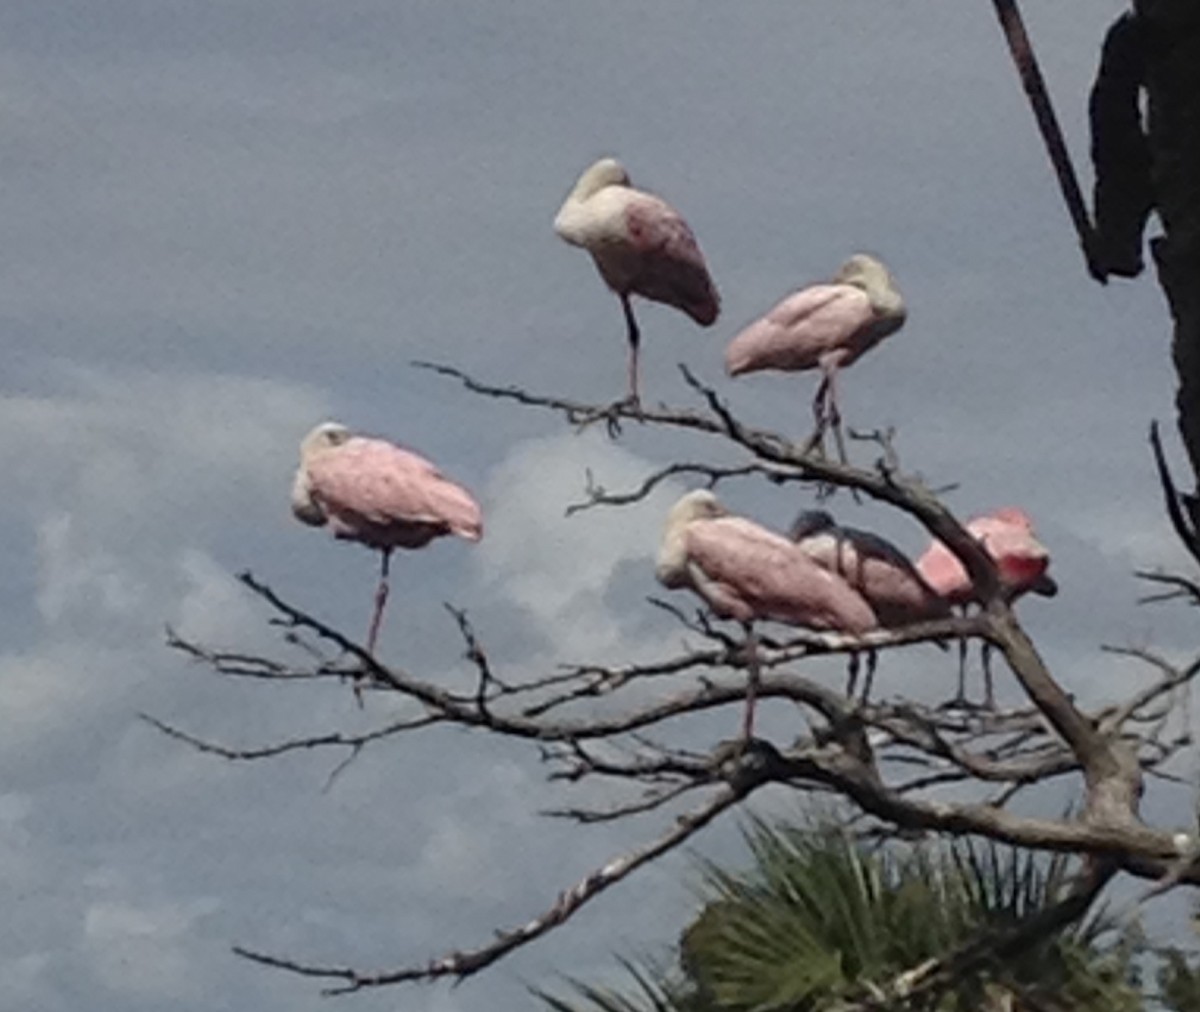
(879, 571)
(671, 268)
(383, 495)
(1007, 537)
(814, 322)
(757, 574)
(940, 568)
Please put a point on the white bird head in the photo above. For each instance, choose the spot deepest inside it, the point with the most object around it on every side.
(325, 436)
(599, 175)
(871, 275)
(699, 504)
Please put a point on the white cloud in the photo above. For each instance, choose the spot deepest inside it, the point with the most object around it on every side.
(556, 567)
(81, 577)
(208, 194)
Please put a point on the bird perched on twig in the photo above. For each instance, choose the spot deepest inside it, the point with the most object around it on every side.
(1008, 537)
(747, 573)
(824, 326)
(877, 569)
(641, 246)
(1021, 560)
(374, 492)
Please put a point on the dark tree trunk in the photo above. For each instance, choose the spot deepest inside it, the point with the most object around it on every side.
(1171, 30)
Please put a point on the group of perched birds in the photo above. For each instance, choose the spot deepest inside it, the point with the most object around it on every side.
(821, 576)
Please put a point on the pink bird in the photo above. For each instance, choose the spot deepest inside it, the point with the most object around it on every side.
(1007, 535)
(748, 573)
(641, 245)
(1021, 563)
(371, 491)
(873, 566)
(825, 326)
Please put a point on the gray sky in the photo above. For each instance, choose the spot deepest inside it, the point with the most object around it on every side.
(226, 221)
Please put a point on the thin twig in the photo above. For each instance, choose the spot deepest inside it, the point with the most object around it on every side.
(462, 964)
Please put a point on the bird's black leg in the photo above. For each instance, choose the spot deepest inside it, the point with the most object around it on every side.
(833, 416)
(752, 671)
(635, 340)
(817, 440)
(989, 688)
(961, 698)
(852, 675)
(872, 660)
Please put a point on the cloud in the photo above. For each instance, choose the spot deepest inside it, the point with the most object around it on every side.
(559, 569)
(223, 224)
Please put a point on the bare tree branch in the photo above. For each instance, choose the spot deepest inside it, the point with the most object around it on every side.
(589, 721)
(460, 965)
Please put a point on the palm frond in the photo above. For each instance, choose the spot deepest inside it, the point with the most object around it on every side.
(817, 919)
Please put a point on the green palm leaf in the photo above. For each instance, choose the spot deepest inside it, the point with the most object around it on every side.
(817, 918)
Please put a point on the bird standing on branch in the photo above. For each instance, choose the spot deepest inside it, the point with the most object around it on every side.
(1021, 560)
(1007, 536)
(824, 326)
(747, 573)
(873, 566)
(371, 491)
(641, 245)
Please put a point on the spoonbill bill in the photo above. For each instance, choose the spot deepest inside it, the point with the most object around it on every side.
(1021, 561)
(372, 491)
(877, 569)
(641, 246)
(824, 326)
(745, 572)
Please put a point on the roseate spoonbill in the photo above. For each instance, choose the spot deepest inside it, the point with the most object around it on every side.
(1021, 563)
(873, 566)
(641, 245)
(823, 326)
(371, 491)
(748, 573)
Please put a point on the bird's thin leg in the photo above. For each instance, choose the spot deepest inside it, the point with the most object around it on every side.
(989, 689)
(816, 442)
(872, 660)
(752, 671)
(381, 596)
(635, 340)
(833, 416)
(961, 697)
(852, 675)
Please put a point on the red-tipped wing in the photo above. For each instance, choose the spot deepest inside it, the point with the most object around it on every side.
(381, 494)
(757, 574)
(810, 323)
(671, 268)
(1008, 538)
